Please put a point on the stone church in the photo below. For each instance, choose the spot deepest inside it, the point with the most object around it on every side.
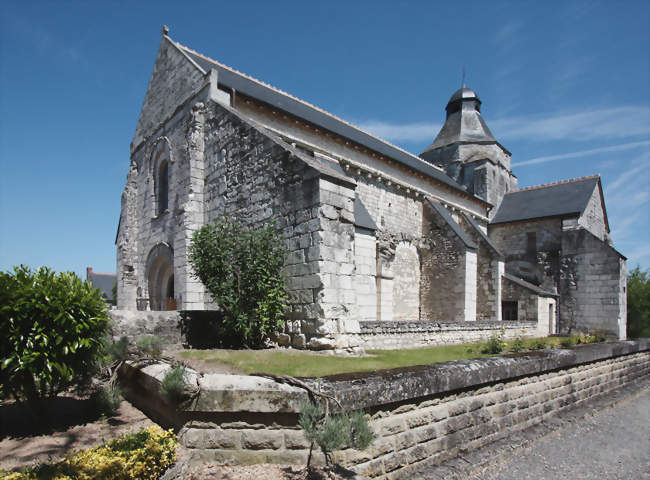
(387, 249)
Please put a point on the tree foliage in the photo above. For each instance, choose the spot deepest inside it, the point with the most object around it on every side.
(638, 303)
(53, 326)
(241, 268)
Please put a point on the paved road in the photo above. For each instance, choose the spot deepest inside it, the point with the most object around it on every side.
(613, 444)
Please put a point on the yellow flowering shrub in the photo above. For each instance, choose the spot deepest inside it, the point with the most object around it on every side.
(144, 455)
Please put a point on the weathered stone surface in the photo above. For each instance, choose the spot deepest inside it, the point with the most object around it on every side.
(468, 411)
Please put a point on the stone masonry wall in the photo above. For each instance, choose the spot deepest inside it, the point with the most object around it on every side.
(431, 431)
(442, 287)
(421, 415)
(257, 179)
(527, 305)
(488, 278)
(365, 281)
(401, 335)
(593, 293)
(540, 266)
(593, 218)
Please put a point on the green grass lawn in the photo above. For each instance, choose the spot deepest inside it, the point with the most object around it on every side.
(300, 363)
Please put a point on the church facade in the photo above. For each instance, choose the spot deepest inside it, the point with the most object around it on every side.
(387, 249)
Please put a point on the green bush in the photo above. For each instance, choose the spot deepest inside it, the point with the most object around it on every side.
(241, 267)
(117, 351)
(107, 400)
(53, 325)
(151, 346)
(638, 303)
(173, 384)
(538, 344)
(569, 341)
(517, 345)
(144, 455)
(334, 432)
(494, 345)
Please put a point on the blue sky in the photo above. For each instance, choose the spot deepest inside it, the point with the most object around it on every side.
(564, 87)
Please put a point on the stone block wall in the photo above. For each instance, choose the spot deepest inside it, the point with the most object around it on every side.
(431, 431)
(593, 218)
(365, 277)
(539, 266)
(401, 335)
(527, 300)
(422, 415)
(134, 325)
(444, 270)
(593, 286)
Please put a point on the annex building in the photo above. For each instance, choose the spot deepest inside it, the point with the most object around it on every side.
(387, 248)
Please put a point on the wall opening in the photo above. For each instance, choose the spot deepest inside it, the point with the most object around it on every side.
(160, 279)
(509, 310)
(163, 187)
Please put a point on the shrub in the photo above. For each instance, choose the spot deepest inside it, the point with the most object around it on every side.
(638, 303)
(568, 342)
(538, 344)
(494, 344)
(173, 384)
(334, 432)
(107, 399)
(53, 326)
(517, 345)
(144, 455)
(151, 346)
(241, 268)
(117, 351)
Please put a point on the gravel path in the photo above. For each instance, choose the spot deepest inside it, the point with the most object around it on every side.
(613, 444)
(608, 439)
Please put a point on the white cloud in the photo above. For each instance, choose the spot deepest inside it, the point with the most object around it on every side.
(583, 153)
(603, 124)
(636, 255)
(600, 124)
(408, 132)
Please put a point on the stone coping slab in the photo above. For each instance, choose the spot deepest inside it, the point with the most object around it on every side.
(368, 390)
(372, 389)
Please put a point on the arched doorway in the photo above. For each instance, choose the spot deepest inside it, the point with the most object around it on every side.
(160, 278)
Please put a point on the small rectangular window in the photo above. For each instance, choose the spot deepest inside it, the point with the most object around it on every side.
(531, 245)
(509, 310)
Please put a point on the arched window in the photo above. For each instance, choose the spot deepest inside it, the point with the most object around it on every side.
(163, 187)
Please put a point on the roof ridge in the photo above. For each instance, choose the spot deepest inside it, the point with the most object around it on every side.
(552, 184)
(304, 102)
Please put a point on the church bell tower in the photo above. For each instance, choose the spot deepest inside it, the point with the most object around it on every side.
(468, 152)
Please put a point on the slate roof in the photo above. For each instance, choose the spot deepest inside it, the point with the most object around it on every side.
(446, 216)
(103, 281)
(482, 235)
(534, 288)
(362, 217)
(464, 123)
(566, 198)
(270, 95)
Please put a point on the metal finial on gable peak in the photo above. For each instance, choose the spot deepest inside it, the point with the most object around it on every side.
(165, 30)
(463, 82)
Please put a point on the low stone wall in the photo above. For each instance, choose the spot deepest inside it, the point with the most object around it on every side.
(422, 415)
(136, 324)
(397, 335)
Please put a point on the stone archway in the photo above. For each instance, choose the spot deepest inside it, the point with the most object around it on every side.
(160, 278)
